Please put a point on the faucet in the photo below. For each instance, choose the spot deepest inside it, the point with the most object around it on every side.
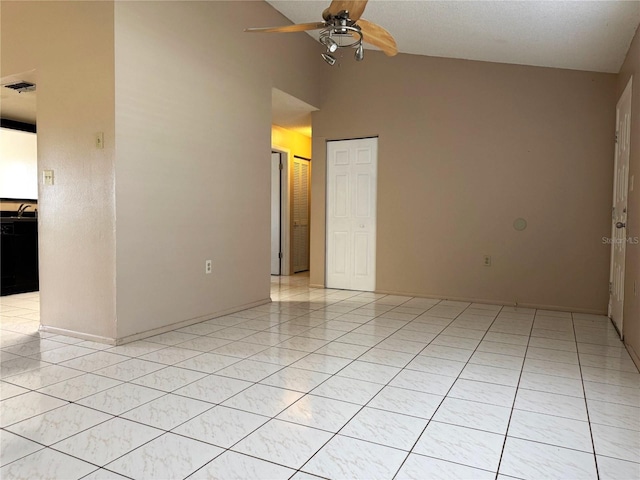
(22, 209)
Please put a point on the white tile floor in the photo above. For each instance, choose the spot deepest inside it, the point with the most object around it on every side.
(324, 383)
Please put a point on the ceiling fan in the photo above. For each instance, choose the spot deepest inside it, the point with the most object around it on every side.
(343, 28)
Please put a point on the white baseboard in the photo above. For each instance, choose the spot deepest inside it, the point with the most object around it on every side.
(74, 334)
(633, 354)
(560, 308)
(153, 331)
(186, 323)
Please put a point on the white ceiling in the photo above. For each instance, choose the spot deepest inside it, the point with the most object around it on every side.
(18, 106)
(578, 35)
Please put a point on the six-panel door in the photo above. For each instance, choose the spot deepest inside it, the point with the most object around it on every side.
(351, 214)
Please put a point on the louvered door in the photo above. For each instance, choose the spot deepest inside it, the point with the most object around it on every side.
(301, 170)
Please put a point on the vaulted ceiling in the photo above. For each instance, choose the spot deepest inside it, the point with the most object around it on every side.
(579, 35)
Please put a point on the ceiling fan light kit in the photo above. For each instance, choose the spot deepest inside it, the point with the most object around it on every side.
(330, 59)
(343, 28)
(343, 36)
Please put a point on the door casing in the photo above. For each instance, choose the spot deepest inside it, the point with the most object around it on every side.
(285, 213)
(276, 213)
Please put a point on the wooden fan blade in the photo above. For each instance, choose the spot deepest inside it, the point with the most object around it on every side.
(354, 7)
(378, 36)
(300, 27)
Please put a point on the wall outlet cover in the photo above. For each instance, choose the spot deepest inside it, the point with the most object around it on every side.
(47, 177)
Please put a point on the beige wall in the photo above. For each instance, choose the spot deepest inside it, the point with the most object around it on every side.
(183, 97)
(70, 44)
(631, 318)
(465, 148)
(193, 133)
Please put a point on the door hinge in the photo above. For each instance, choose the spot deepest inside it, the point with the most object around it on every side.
(280, 255)
(610, 288)
(616, 137)
(281, 167)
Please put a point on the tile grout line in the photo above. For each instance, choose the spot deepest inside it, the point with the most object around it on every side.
(308, 353)
(524, 359)
(586, 404)
(450, 388)
(271, 418)
(167, 393)
(335, 434)
(225, 449)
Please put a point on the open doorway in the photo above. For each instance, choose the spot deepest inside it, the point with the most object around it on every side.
(19, 266)
(18, 185)
(290, 213)
(290, 183)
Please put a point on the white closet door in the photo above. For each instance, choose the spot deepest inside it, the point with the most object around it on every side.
(351, 214)
(300, 215)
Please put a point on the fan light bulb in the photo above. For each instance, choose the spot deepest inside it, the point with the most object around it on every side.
(359, 53)
(332, 45)
(330, 59)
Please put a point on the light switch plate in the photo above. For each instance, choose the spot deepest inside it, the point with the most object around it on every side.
(47, 177)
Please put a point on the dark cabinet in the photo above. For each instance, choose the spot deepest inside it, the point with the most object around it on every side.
(19, 251)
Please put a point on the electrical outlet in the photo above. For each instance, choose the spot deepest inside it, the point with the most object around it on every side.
(486, 260)
(208, 266)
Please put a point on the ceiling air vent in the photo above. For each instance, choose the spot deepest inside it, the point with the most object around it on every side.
(21, 87)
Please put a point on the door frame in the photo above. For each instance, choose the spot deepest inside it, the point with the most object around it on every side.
(618, 323)
(276, 171)
(285, 209)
